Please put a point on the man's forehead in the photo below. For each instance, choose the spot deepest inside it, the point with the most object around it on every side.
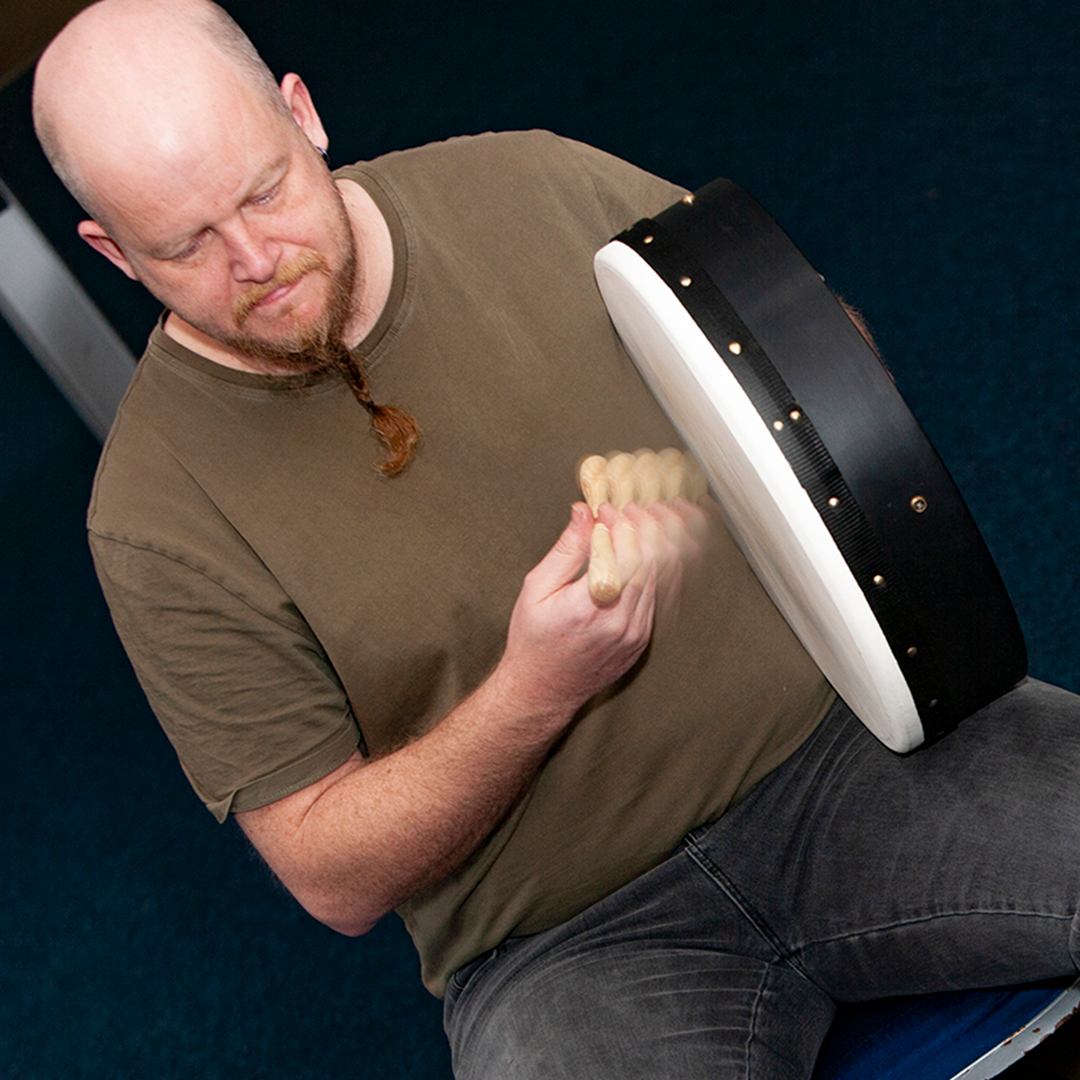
(117, 59)
(197, 206)
(162, 205)
(211, 146)
(185, 116)
(145, 95)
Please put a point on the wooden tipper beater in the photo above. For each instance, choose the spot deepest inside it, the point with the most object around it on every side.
(644, 477)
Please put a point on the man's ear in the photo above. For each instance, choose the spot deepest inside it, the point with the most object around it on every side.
(298, 99)
(105, 245)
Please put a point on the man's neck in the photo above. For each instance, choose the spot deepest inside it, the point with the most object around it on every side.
(374, 275)
(374, 260)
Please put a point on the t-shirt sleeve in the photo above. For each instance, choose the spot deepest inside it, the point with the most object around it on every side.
(626, 192)
(241, 687)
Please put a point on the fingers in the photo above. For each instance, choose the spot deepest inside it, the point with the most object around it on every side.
(648, 525)
(655, 548)
(660, 533)
(627, 548)
(564, 561)
(640, 549)
(685, 525)
(644, 506)
(614, 557)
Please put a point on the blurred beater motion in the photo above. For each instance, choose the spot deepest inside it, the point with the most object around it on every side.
(644, 478)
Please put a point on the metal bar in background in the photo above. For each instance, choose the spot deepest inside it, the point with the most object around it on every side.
(59, 324)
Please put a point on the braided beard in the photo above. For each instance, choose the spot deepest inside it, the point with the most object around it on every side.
(396, 429)
(322, 348)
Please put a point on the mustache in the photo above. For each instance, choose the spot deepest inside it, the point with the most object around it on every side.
(309, 262)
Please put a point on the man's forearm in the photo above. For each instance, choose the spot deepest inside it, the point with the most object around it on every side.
(388, 829)
(359, 842)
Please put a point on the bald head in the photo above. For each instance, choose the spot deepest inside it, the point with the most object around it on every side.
(143, 84)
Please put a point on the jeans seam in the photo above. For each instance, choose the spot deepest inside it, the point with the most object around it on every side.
(780, 952)
(915, 920)
(758, 997)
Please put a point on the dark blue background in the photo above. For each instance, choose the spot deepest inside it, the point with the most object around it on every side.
(925, 158)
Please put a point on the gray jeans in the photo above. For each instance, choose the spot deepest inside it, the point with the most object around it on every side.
(848, 873)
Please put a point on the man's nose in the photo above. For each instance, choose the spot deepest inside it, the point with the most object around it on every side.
(252, 257)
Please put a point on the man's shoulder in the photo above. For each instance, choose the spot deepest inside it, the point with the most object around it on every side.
(534, 172)
(497, 155)
(480, 144)
(137, 470)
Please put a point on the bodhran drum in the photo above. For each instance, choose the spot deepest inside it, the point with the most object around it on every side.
(827, 482)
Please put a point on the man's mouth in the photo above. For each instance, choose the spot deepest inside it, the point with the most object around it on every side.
(265, 296)
(277, 294)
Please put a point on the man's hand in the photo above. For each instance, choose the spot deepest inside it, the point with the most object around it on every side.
(672, 535)
(562, 647)
(370, 835)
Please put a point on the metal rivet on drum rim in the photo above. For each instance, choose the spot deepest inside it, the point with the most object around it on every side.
(648, 239)
(795, 415)
(734, 347)
(684, 281)
(918, 503)
(912, 650)
(778, 425)
(834, 501)
(878, 580)
(932, 703)
(688, 199)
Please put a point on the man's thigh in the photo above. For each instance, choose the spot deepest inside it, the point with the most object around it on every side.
(952, 867)
(640, 1014)
(663, 978)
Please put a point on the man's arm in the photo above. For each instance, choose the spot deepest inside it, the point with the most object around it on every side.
(368, 836)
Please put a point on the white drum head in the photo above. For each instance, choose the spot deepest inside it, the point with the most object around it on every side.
(769, 513)
(830, 486)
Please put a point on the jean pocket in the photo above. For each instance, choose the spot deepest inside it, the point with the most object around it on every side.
(467, 972)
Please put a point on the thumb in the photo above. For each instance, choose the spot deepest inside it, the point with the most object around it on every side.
(563, 562)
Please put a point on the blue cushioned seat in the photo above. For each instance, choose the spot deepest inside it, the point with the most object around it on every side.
(969, 1035)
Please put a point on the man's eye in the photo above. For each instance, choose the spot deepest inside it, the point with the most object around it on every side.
(266, 196)
(190, 250)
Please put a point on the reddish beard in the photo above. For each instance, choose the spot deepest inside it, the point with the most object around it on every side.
(309, 262)
(322, 347)
(315, 347)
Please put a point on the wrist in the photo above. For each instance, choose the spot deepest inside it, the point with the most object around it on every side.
(525, 698)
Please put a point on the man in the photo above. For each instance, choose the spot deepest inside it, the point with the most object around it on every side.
(347, 658)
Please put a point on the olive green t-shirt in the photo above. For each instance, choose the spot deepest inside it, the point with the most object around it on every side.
(282, 603)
